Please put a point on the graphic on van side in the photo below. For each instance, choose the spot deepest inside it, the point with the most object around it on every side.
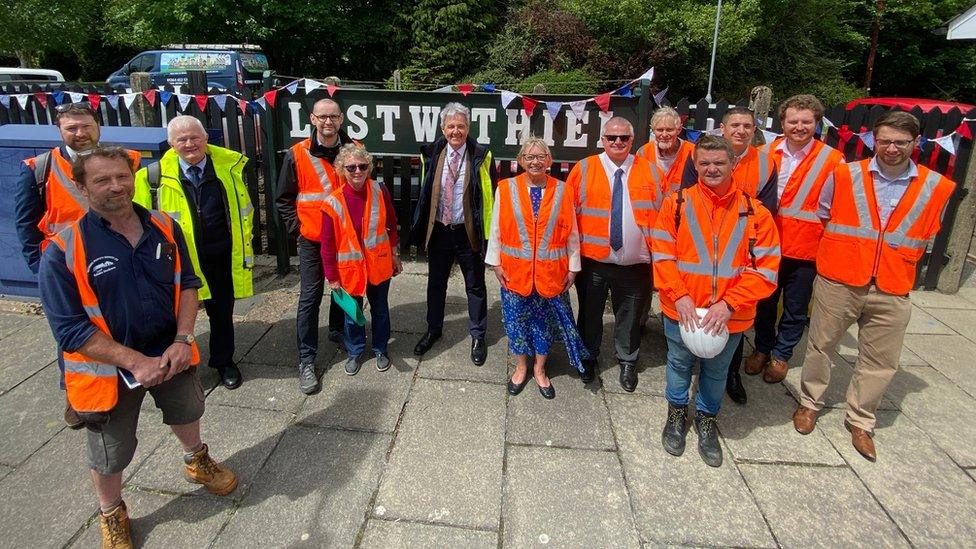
(182, 61)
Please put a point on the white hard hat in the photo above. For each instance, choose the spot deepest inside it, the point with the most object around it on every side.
(702, 344)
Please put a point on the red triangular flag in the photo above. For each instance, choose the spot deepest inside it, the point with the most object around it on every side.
(529, 105)
(41, 98)
(94, 100)
(964, 130)
(242, 103)
(465, 89)
(270, 97)
(331, 89)
(201, 101)
(150, 96)
(845, 134)
(603, 101)
(684, 118)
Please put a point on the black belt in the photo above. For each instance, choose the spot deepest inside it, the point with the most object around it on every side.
(451, 227)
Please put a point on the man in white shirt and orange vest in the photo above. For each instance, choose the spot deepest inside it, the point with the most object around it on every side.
(879, 216)
(617, 196)
(804, 164)
(668, 152)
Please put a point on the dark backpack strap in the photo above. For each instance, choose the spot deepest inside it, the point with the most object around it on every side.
(42, 167)
(750, 215)
(677, 210)
(154, 174)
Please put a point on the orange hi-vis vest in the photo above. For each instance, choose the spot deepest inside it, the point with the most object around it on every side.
(64, 202)
(753, 171)
(533, 249)
(371, 260)
(592, 192)
(316, 181)
(92, 386)
(714, 248)
(855, 248)
(799, 228)
(672, 179)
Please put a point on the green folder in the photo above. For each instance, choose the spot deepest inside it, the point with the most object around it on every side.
(350, 306)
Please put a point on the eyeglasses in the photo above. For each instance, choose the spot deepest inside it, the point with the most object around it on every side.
(534, 157)
(353, 168)
(79, 106)
(621, 138)
(900, 143)
(324, 117)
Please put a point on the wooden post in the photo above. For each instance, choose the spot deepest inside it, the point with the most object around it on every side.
(141, 117)
(396, 80)
(196, 83)
(962, 233)
(275, 224)
(760, 101)
(642, 129)
(539, 89)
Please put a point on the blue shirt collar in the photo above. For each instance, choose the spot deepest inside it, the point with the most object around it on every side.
(184, 165)
(907, 175)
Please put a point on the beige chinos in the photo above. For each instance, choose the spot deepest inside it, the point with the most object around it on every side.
(882, 320)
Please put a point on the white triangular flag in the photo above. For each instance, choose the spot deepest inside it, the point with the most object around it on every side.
(828, 123)
(129, 99)
(648, 75)
(184, 100)
(769, 136)
(113, 100)
(507, 98)
(868, 139)
(311, 85)
(947, 143)
(578, 108)
(22, 99)
(221, 101)
(76, 97)
(5, 101)
(293, 87)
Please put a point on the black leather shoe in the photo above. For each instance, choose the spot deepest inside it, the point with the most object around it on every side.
(230, 376)
(425, 343)
(589, 371)
(549, 392)
(673, 436)
(479, 350)
(516, 388)
(708, 446)
(733, 386)
(628, 376)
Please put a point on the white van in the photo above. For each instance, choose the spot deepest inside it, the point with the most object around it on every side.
(20, 74)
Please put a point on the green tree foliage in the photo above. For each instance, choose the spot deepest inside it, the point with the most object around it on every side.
(35, 28)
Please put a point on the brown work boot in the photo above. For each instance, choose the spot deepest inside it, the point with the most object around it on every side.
(755, 363)
(862, 442)
(202, 469)
(776, 371)
(804, 420)
(71, 417)
(116, 533)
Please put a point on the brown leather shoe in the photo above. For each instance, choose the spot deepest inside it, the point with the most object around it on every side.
(71, 417)
(755, 363)
(202, 469)
(804, 420)
(862, 442)
(116, 532)
(776, 371)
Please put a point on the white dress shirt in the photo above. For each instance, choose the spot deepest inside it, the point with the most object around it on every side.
(789, 163)
(887, 190)
(457, 207)
(493, 256)
(634, 248)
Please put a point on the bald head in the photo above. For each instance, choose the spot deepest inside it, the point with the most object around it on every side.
(326, 117)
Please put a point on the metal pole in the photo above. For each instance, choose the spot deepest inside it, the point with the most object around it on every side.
(711, 68)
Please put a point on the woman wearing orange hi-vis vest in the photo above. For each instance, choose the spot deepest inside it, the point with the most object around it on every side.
(879, 216)
(359, 251)
(533, 246)
(715, 248)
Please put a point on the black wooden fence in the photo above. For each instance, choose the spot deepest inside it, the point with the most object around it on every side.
(247, 131)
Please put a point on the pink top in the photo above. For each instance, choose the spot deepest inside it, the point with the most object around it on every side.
(356, 202)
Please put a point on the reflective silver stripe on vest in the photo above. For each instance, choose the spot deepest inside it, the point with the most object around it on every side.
(544, 253)
(644, 205)
(584, 166)
(704, 266)
(595, 212)
(56, 228)
(373, 221)
(794, 210)
(658, 256)
(599, 241)
(93, 369)
(661, 235)
(68, 235)
(93, 311)
(247, 210)
(764, 173)
(334, 203)
(847, 230)
(899, 236)
(865, 225)
(69, 185)
(524, 251)
(320, 171)
(350, 256)
(311, 197)
(764, 251)
(769, 274)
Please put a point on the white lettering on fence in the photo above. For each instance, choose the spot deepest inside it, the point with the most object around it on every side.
(355, 114)
(298, 128)
(388, 113)
(481, 117)
(518, 127)
(424, 122)
(575, 136)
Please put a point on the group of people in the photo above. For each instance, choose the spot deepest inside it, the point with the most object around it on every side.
(722, 229)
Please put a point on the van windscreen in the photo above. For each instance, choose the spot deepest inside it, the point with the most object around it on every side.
(193, 61)
(254, 62)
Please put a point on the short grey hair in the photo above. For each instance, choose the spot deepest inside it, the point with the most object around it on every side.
(352, 150)
(619, 121)
(455, 109)
(533, 141)
(666, 112)
(183, 122)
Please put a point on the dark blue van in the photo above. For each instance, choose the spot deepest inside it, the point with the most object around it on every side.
(235, 67)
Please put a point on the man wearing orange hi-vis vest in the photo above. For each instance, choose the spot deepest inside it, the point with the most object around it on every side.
(617, 196)
(715, 248)
(879, 215)
(121, 298)
(667, 152)
(804, 164)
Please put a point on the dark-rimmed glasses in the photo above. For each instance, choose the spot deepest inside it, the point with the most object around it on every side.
(353, 168)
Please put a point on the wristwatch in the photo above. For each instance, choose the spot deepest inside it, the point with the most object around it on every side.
(185, 338)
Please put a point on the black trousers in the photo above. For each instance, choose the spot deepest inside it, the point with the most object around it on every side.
(629, 287)
(447, 245)
(796, 286)
(311, 288)
(220, 307)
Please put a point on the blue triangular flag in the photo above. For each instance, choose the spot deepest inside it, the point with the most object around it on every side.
(164, 96)
(553, 108)
(659, 97)
(693, 135)
(488, 87)
(868, 139)
(113, 101)
(5, 101)
(922, 140)
(293, 87)
(626, 91)
(58, 97)
(254, 106)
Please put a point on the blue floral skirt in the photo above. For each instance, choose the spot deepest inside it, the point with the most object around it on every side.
(534, 322)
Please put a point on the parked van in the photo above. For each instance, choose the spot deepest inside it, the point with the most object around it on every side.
(236, 67)
(19, 74)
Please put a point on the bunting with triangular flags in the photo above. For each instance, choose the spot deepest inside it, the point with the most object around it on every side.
(331, 88)
(184, 101)
(603, 101)
(507, 98)
(94, 100)
(201, 101)
(41, 98)
(528, 104)
(465, 89)
(578, 108)
(553, 108)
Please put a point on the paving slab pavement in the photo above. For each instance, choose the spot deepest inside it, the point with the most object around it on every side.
(384, 534)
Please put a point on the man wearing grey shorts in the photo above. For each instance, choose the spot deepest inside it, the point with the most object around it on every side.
(120, 295)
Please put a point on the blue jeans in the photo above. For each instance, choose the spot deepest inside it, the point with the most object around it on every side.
(711, 381)
(379, 305)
